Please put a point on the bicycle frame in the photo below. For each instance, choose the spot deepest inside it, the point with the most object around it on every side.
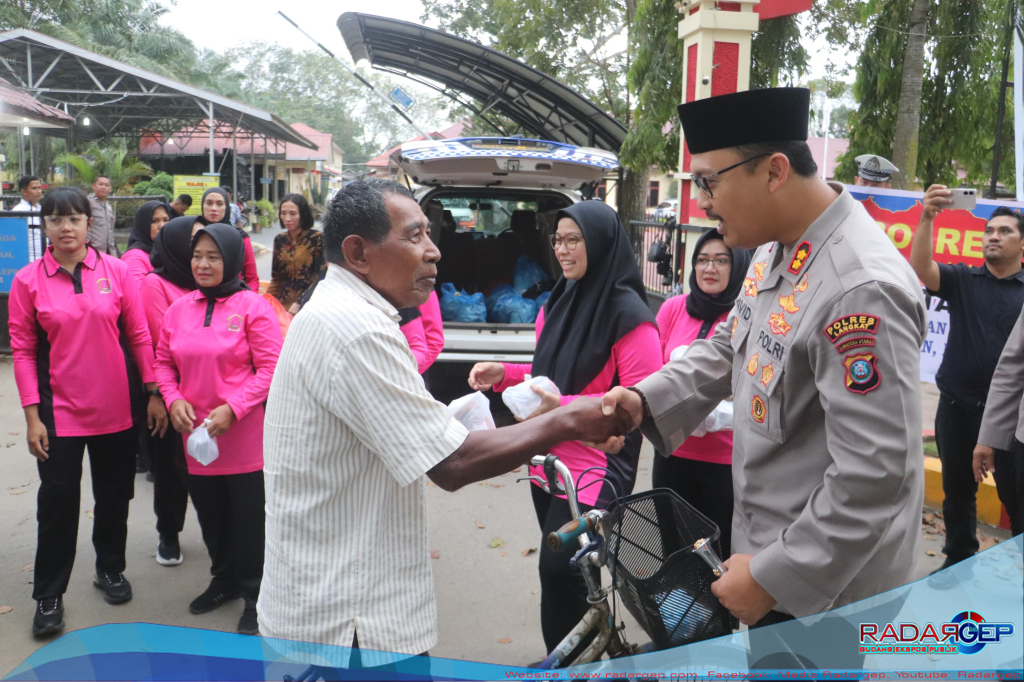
(599, 617)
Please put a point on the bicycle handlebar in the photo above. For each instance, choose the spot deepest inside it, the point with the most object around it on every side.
(559, 540)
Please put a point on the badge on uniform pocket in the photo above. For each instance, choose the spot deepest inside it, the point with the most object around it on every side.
(758, 410)
(862, 373)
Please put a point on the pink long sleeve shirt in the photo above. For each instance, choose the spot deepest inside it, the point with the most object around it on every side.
(425, 334)
(249, 273)
(138, 264)
(230, 361)
(157, 295)
(633, 358)
(66, 333)
(433, 327)
(677, 328)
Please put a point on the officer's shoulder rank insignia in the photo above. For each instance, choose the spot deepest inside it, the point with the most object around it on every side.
(862, 373)
(799, 258)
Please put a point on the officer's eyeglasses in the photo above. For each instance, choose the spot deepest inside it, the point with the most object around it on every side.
(702, 180)
(59, 221)
(720, 263)
(571, 242)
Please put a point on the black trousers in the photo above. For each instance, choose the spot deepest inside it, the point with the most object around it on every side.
(231, 515)
(170, 475)
(705, 485)
(563, 591)
(956, 434)
(1009, 477)
(58, 506)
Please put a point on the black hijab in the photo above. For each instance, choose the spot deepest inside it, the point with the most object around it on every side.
(709, 307)
(172, 252)
(226, 219)
(584, 318)
(139, 236)
(233, 253)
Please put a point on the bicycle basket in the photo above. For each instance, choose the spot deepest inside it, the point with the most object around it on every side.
(662, 582)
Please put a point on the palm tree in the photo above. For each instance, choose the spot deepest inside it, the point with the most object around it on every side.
(113, 162)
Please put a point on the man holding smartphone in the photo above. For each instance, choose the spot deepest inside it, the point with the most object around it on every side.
(983, 302)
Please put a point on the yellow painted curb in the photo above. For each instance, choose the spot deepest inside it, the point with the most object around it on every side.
(989, 506)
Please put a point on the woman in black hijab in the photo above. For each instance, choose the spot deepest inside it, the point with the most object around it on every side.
(215, 361)
(149, 220)
(701, 469)
(596, 331)
(217, 209)
(171, 257)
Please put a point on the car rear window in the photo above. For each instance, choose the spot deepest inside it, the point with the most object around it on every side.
(485, 215)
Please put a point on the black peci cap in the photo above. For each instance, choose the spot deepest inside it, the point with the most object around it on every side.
(769, 115)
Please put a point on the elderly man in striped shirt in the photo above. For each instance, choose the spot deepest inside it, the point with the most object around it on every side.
(351, 433)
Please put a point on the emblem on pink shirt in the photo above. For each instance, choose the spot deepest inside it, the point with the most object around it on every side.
(103, 285)
(234, 323)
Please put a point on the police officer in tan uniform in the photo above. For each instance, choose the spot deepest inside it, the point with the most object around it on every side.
(1002, 427)
(822, 354)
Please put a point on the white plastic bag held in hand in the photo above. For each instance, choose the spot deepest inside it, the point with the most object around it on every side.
(522, 400)
(720, 419)
(201, 446)
(473, 411)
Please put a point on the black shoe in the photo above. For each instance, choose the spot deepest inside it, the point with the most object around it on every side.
(140, 465)
(49, 617)
(150, 477)
(941, 579)
(116, 588)
(248, 624)
(215, 596)
(168, 552)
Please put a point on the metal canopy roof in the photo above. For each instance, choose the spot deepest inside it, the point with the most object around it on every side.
(481, 79)
(122, 100)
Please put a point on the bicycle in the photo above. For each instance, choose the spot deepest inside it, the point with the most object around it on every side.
(662, 559)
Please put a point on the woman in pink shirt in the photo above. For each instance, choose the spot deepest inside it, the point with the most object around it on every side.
(149, 219)
(217, 352)
(596, 331)
(423, 330)
(700, 471)
(171, 279)
(216, 208)
(73, 314)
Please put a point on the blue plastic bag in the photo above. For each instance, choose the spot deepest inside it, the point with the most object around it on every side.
(492, 301)
(461, 307)
(530, 278)
(511, 308)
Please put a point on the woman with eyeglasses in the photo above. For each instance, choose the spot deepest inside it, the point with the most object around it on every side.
(73, 313)
(700, 471)
(596, 331)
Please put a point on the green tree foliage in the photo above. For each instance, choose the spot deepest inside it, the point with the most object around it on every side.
(963, 65)
(777, 58)
(308, 86)
(113, 162)
(162, 183)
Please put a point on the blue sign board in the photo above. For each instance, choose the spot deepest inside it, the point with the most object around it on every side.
(14, 235)
(402, 98)
(266, 181)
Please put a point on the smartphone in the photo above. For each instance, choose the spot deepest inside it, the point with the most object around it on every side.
(963, 198)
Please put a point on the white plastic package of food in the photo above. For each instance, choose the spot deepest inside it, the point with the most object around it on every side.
(201, 446)
(522, 400)
(720, 419)
(677, 353)
(473, 411)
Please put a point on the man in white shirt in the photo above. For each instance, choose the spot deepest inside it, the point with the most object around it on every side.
(31, 189)
(351, 434)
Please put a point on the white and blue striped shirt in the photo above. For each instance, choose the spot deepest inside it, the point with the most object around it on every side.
(350, 432)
